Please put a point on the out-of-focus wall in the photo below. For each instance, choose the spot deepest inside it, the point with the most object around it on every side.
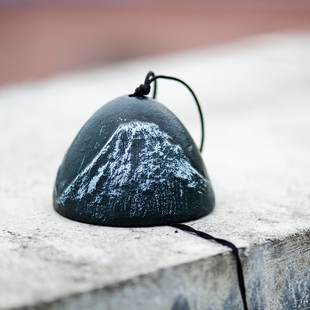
(41, 38)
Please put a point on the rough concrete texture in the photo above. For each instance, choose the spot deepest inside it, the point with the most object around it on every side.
(255, 96)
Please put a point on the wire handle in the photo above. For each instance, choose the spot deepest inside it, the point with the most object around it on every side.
(144, 89)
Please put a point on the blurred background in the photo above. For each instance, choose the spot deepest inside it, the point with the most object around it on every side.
(46, 37)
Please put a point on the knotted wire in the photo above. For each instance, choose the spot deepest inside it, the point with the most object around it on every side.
(143, 90)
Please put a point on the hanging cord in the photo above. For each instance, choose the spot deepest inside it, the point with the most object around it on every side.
(225, 243)
(144, 89)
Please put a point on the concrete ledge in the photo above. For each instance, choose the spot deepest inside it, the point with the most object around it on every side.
(255, 95)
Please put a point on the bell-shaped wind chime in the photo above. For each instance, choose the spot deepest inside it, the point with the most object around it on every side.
(134, 164)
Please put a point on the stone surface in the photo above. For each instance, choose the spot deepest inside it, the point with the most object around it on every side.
(255, 96)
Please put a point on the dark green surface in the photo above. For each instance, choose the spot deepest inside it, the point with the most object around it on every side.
(133, 164)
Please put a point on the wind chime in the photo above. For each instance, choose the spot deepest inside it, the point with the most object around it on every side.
(134, 164)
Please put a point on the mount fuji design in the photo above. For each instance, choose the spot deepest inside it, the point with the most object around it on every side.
(137, 175)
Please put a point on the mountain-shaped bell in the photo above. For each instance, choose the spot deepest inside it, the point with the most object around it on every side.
(133, 164)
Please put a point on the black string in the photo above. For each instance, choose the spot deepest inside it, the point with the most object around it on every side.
(225, 243)
(144, 89)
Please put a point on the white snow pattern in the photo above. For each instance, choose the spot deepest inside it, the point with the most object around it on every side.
(138, 157)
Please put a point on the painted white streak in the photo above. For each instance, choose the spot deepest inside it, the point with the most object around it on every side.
(138, 154)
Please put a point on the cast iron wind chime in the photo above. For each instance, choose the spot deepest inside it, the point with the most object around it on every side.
(134, 164)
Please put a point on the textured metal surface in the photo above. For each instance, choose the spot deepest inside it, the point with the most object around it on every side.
(133, 164)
